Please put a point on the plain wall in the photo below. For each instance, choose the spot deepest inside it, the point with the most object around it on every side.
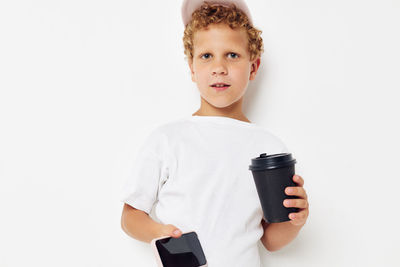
(83, 82)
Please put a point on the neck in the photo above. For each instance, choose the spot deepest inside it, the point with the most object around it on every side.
(233, 111)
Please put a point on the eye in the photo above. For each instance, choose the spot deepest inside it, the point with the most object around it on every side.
(204, 55)
(236, 55)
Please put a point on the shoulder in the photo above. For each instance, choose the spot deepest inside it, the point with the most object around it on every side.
(271, 140)
(164, 132)
(168, 129)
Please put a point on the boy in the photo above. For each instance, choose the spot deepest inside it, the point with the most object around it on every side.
(195, 170)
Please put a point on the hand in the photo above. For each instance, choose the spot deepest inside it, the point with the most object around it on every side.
(297, 218)
(169, 230)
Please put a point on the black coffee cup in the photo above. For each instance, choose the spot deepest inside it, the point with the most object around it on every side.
(272, 174)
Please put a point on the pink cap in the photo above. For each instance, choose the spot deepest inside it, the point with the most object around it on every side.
(189, 6)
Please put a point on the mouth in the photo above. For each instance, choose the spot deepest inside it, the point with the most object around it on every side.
(220, 86)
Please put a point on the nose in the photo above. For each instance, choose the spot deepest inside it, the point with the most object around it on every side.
(219, 68)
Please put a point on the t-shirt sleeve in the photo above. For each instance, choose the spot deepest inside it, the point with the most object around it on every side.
(276, 144)
(282, 148)
(148, 173)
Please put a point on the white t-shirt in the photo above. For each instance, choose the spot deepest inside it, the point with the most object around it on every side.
(195, 171)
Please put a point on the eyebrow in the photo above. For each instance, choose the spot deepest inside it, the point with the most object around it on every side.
(234, 50)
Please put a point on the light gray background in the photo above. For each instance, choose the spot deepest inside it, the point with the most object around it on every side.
(83, 83)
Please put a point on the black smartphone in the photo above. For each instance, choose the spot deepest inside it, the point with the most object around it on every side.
(185, 251)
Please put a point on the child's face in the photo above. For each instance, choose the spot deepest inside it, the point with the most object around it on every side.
(221, 54)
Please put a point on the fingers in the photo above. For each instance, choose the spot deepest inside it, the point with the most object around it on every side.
(296, 191)
(296, 203)
(298, 180)
(299, 218)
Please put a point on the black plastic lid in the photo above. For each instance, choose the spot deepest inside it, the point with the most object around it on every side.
(267, 162)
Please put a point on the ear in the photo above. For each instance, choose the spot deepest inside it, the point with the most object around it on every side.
(254, 68)
(190, 61)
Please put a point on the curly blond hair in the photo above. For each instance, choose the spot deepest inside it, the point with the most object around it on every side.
(209, 13)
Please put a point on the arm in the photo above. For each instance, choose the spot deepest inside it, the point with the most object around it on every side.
(278, 235)
(138, 224)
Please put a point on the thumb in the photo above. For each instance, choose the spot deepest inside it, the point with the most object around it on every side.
(176, 233)
(173, 231)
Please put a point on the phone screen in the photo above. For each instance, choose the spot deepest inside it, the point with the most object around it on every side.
(184, 251)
